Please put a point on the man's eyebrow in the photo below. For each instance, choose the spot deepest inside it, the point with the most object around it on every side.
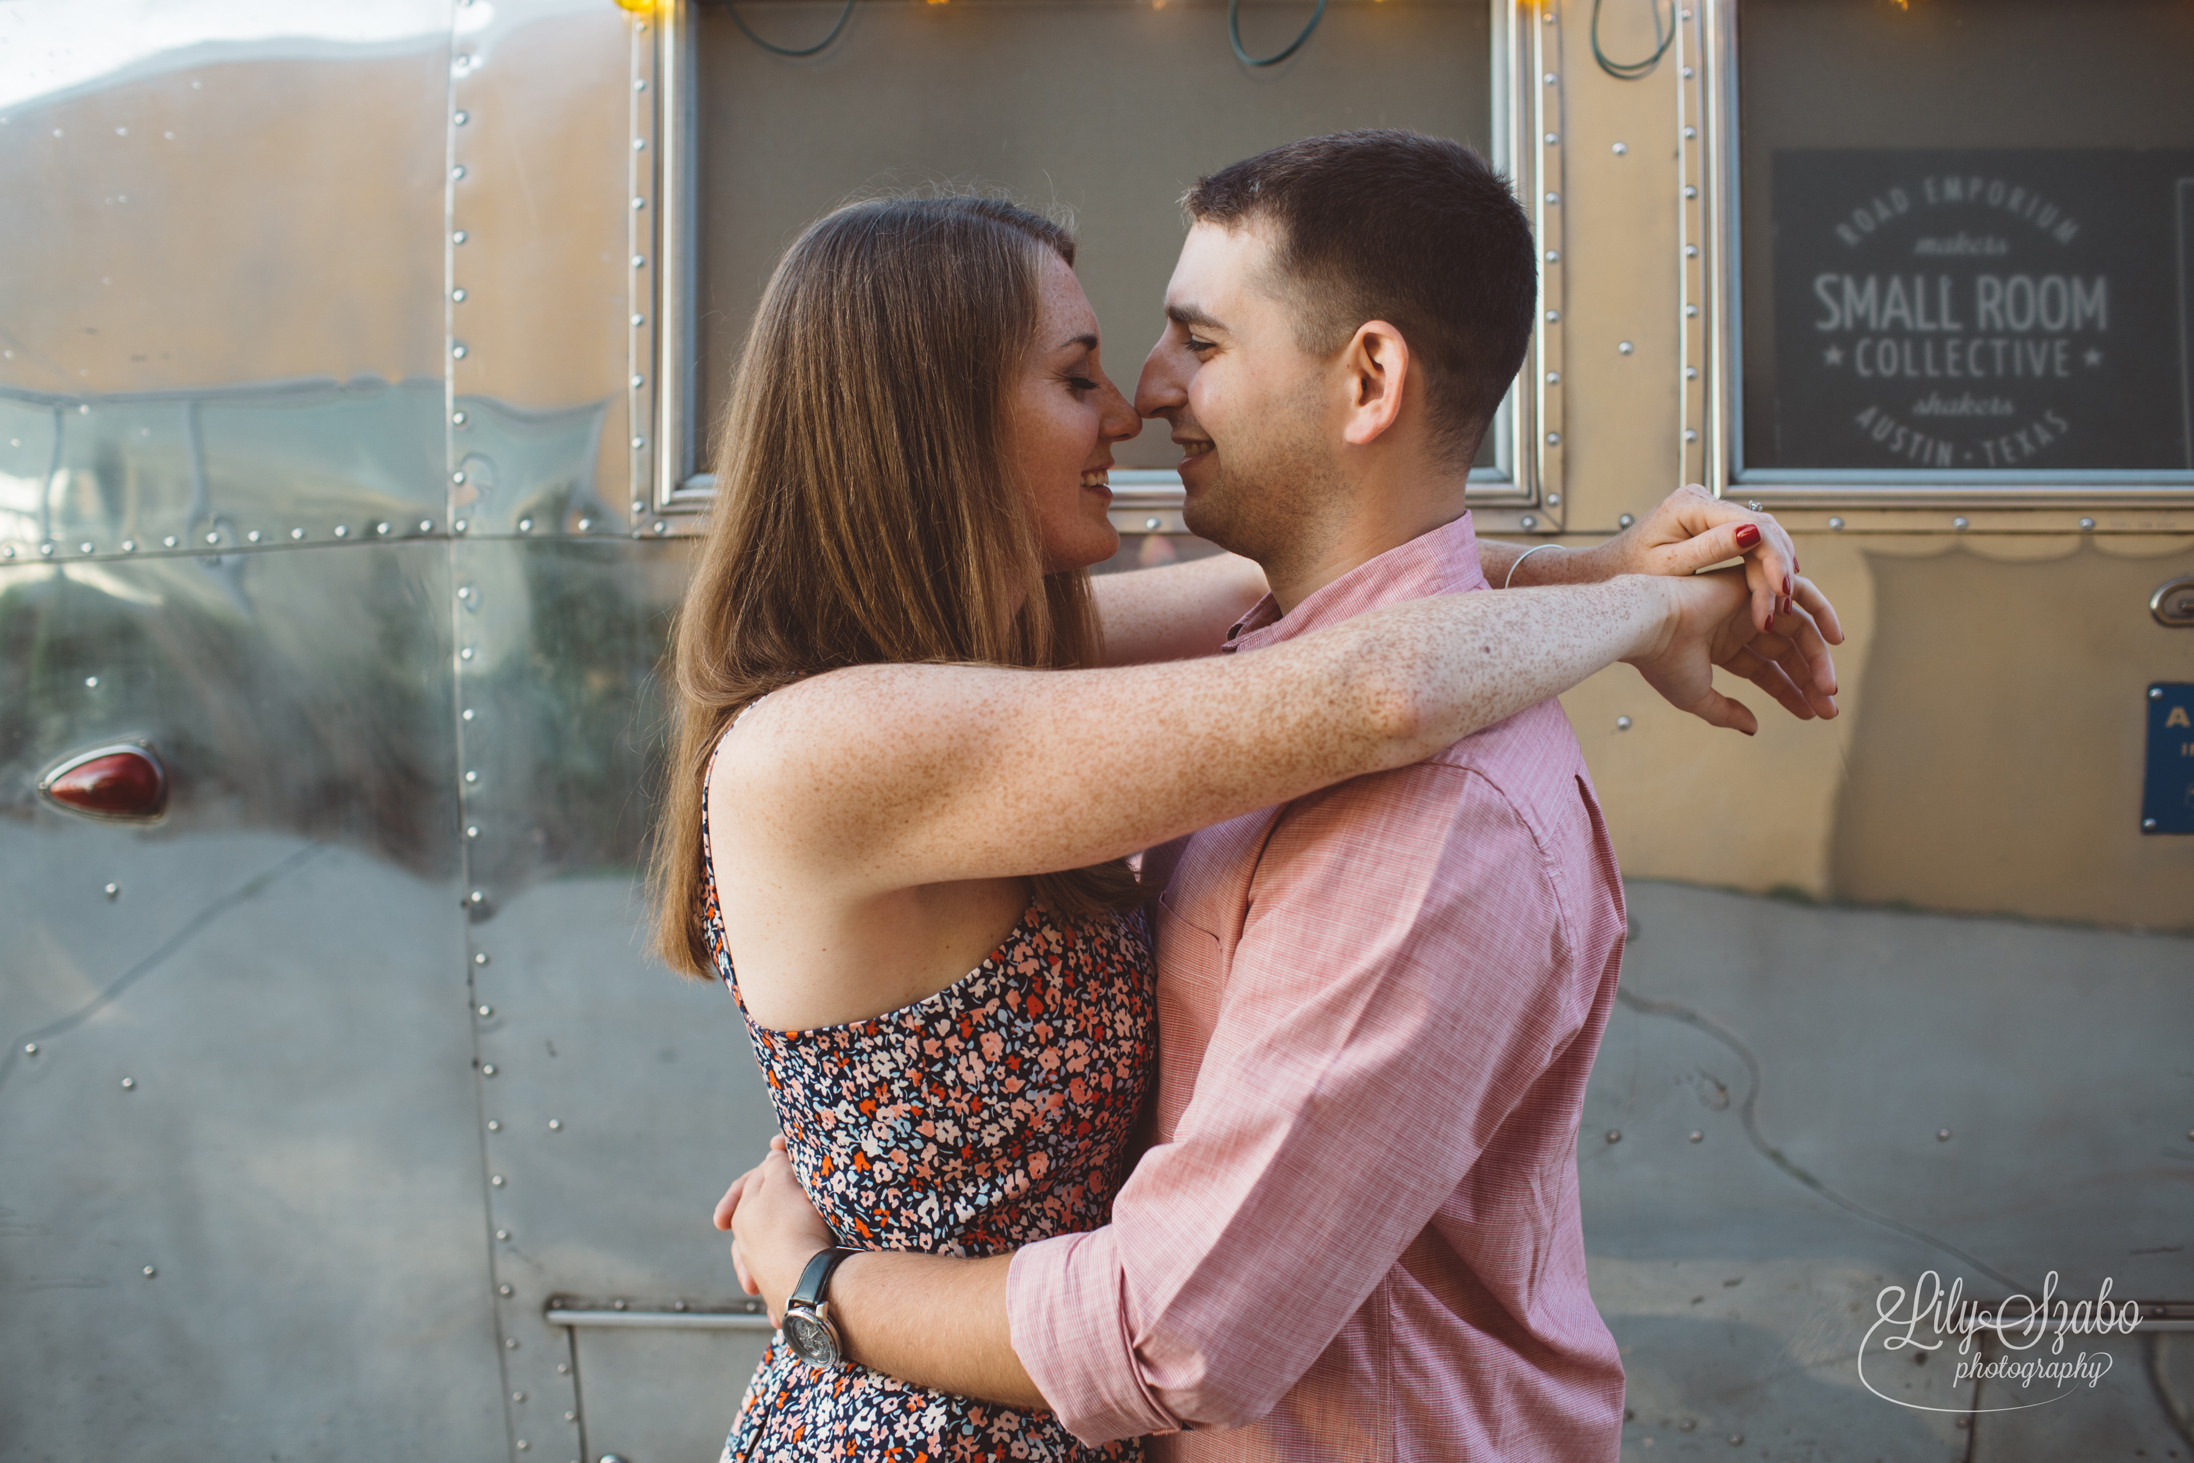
(1085, 340)
(1193, 315)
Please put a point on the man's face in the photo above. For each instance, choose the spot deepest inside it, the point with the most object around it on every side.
(1258, 419)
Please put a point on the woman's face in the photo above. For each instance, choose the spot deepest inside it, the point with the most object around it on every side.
(1063, 417)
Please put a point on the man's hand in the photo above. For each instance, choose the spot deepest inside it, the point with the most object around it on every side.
(1710, 625)
(775, 1230)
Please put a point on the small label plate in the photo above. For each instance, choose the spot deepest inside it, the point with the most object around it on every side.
(2167, 794)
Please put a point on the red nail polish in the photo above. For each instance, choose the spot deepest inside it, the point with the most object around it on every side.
(1747, 535)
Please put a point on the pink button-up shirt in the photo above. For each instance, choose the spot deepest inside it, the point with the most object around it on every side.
(1357, 1235)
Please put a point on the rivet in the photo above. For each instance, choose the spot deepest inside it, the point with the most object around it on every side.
(486, 1011)
(677, 1305)
(1549, 78)
(1614, 1135)
(114, 891)
(1530, 522)
(1686, 73)
(1623, 349)
(91, 683)
(510, 1343)
(1754, 505)
(472, 830)
(1691, 251)
(1554, 439)
(488, 1070)
(1837, 524)
(1689, 1424)
(296, 533)
(2148, 825)
(1691, 312)
(214, 537)
(1553, 378)
(342, 530)
(616, 1305)
(2087, 523)
(458, 417)
(381, 528)
(563, 1368)
(502, 1234)
(515, 1396)
(1736, 1440)
(1622, 723)
(586, 524)
(467, 713)
(1553, 198)
(639, 261)
(462, 118)
(556, 1125)
(458, 294)
(571, 1417)
(46, 550)
(457, 237)
(460, 525)
(8, 552)
(638, 507)
(1153, 523)
(477, 896)
(1553, 256)
(129, 1084)
(497, 1180)
(1553, 317)
(638, 443)
(525, 525)
(1690, 191)
(641, 84)
(84, 549)
(1621, 149)
(1625, 521)
(638, 382)
(1696, 1136)
(1942, 1135)
(1691, 132)
(639, 144)
(457, 351)
(151, 1270)
(1691, 373)
(479, 957)
(30, 1049)
(2155, 693)
(1961, 523)
(523, 1445)
(457, 172)
(494, 1126)
(466, 654)
(1690, 435)
(661, 527)
(638, 201)
(639, 320)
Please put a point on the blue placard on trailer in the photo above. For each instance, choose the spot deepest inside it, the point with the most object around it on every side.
(2167, 794)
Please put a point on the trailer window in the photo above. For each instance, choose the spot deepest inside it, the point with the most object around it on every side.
(1110, 109)
(1964, 251)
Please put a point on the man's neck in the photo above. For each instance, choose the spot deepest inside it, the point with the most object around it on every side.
(1374, 522)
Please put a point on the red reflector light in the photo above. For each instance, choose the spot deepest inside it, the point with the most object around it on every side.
(112, 782)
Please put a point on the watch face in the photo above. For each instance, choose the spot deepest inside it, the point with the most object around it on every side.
(810, 1339)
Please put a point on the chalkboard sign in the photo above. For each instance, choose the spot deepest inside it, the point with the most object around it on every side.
(1982, 310)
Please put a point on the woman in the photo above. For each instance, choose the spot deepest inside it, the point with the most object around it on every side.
(907, 862)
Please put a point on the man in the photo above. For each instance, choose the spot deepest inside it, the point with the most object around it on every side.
(1356, 1234)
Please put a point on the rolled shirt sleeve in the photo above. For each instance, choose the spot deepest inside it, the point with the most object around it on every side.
(1396, 989)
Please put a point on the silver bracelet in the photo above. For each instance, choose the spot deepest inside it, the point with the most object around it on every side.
(1527, 553)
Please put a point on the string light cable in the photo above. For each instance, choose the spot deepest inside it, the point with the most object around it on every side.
(1633, 70)
(1234, 35)
(777, 50)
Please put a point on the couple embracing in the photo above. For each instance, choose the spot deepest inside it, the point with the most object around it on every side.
(1264, 1146)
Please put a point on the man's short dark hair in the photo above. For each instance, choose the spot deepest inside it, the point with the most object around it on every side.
(1397, 226)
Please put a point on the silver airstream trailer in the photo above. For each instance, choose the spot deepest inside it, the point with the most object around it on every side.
(356, 360)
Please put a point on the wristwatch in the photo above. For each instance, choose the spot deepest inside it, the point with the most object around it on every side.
(808, 1328)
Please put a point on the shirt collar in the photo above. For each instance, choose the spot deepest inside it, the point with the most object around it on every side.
(1444, 561)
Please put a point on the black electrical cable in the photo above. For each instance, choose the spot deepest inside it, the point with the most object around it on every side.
(1632, 70)
(776, 50)
(1234, 35)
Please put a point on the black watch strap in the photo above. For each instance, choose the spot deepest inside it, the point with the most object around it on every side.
(815, 1279)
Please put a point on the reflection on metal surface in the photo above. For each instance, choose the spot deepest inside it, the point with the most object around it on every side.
(2173, 602)
(125, 783)
(750, 1317)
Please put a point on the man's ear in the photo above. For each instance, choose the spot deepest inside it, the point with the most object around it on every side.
(1376, 364)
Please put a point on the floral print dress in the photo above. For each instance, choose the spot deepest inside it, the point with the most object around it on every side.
(985, 1117)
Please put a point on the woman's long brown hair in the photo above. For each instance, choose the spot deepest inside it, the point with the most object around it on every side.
(863, 511)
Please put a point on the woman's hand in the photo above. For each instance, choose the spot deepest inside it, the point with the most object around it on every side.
(775, 1230)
